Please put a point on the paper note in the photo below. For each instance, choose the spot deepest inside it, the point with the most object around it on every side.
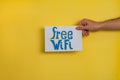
(62, 38)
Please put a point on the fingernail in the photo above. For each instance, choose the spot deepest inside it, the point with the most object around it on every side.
(77, 28)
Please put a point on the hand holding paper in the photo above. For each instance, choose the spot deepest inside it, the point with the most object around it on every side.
(87, 25)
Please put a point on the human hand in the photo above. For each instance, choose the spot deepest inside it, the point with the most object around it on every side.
(87, 25)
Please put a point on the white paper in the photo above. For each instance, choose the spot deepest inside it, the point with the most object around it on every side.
(62, 38)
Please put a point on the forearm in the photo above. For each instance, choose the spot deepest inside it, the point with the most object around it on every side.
(113, 24)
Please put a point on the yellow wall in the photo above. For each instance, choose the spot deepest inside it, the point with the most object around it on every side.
(22, 55)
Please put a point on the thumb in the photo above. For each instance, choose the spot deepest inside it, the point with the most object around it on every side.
(81, 27)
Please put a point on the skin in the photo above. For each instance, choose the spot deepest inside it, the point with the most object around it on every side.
(87, 25)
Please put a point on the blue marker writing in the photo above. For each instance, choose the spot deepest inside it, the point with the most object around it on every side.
(61, 40)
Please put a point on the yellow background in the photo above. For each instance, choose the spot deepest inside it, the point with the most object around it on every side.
(22, 55)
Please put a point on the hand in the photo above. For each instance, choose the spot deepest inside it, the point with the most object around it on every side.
(87, 25)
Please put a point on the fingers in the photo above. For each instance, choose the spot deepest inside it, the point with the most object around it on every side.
(85, 33)
(81, 27)
(84, 22)
(84, 26)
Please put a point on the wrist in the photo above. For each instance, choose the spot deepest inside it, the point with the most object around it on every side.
(101, 25)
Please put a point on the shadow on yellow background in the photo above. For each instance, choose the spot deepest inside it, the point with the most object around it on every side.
(22, 55)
